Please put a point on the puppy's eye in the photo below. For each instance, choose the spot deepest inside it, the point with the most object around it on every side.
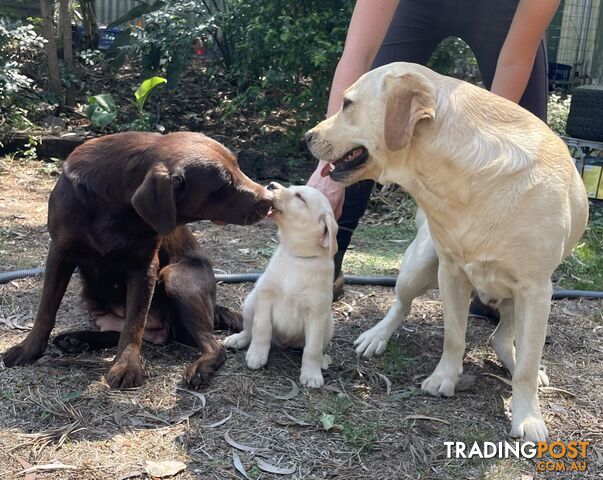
(346, 103)
(298, 195)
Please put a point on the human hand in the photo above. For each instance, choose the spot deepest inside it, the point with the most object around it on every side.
(334, 191)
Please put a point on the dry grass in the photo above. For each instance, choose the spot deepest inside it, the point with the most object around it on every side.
(61, 414)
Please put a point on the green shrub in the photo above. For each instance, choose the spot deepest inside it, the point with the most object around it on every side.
(453, 57)
(164, 44)
(19, 44)
(285, 53)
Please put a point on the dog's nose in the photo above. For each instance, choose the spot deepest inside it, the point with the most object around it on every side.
(273, 186)
(308, 137)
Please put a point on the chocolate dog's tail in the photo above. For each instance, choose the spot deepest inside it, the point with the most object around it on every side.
(226, 319)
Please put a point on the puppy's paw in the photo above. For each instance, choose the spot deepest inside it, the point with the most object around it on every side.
(256, 358)
(372, 342)
(236, 341)
(326, 361)
(311, 377)
(531, 428)
(126, 372)
(439, 383)
(543, 379)
(22, 354)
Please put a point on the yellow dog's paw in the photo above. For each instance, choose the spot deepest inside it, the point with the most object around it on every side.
(236, 341)
(532, 429)
(256, 358)
(311, 378)
(372, 342)
(439, 384)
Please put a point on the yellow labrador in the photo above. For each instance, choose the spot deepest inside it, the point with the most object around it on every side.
(290, 305)
(503, 205)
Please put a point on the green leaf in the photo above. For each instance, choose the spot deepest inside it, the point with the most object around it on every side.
(145, 88)
(137, 11)
(101, 110)
(104, 100)
(404, 394)
(327, 420)
(70, 396)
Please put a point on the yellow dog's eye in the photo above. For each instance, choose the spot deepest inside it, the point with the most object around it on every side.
(298, 195)
(346, 103)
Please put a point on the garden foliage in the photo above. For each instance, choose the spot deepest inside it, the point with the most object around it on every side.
(275, 53)
(19, 43)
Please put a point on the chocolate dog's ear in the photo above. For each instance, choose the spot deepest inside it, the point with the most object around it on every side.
(154, 200)
(408, 100)
(328, 238)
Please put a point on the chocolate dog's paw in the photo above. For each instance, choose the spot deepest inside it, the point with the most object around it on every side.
(126, 373)
(22, 355)
(70, 343)
(201, 370)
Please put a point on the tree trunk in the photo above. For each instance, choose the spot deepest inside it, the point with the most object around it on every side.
(65, 19)
(91, 35)
(54, 77)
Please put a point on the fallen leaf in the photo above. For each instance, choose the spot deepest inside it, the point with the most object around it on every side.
(166, 468)
(464, 383)
(131, 475)
(48, 467)
(425, 417)
(403, 394)
(291, 394)
(239, 446)
(26, 465)
(327, 420)
(556, 407)
(219, 422)
(267, 467)
(504, 380)
(295, 420)
(388, 384)
(199, 395)
(556, 390)
(238, 464)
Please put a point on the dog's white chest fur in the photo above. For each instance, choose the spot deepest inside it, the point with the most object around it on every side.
(299, 290)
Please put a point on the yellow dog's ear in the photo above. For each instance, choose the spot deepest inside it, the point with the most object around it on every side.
(408, 99)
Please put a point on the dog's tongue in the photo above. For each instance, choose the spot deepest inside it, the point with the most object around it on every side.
(325, 170)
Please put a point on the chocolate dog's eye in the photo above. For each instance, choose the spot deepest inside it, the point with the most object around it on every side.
(298, 195)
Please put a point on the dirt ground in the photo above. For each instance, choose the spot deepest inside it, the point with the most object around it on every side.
(369, 421)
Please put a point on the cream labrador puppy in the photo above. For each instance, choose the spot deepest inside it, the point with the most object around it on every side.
(502, 201)
(290, 305)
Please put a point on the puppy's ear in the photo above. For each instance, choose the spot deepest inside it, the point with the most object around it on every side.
(408, 99)
(328, 238)
(154, 200)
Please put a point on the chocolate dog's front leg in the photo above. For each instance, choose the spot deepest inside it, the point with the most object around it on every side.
(56, 278)
(126, 371)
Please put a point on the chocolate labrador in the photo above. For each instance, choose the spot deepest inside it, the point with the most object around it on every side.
(117, 213)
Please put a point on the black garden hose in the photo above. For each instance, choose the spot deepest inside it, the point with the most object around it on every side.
(383, 281)
(6, 277)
